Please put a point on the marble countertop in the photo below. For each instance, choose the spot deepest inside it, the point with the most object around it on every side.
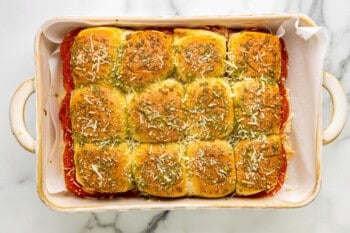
(21, 209)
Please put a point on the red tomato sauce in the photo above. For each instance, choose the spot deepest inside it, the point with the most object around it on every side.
(284, 61)
(281, 176)
(66, 56)
(284, 74)
(284, 115)
(284, 107)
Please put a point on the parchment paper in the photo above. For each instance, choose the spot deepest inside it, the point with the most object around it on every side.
(306, 48)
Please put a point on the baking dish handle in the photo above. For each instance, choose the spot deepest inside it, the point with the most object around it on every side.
(17, 108)
(339, 101)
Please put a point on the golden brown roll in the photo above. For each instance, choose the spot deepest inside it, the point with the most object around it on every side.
(159, 170)
(210, 168)
(253, 54)
(257, 105)
(156, 114)
(94, 55)
(98, 115)
(258, 164)
(147, 57)
(199, 54)
(256, 93)
(104, 170)
(209, 109)
(261, 120)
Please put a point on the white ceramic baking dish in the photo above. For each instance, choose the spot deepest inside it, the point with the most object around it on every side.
(296, 194)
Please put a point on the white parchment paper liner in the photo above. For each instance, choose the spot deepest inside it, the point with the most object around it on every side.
(306, 48)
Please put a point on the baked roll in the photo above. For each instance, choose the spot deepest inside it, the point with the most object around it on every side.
(258, 164)
(253, 54)
(156, 114)
(147, 57)
(103, 170)
(210, 168)
(209, 109)
(257, 105)
(159, 170)
(261, 121)
(199, 54)
(98, 115)
(94, 55)
(260, 92)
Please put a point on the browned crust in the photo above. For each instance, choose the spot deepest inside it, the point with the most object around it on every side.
(209, 109)
(199, 54)
(254, 54)
(156, 114)
(211, 168)
(94, 55)
(147, 57)
(98, 115)
(264, 120)
(259, 92)
(258, 164)
(159, 171)
(104, 170)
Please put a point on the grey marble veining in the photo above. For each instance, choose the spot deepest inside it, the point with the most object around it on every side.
(21, 209)
(109, 222)
(95, 224)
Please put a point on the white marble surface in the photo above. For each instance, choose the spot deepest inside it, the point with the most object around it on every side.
(22, 211)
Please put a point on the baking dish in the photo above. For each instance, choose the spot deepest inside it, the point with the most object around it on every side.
(300, 192)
